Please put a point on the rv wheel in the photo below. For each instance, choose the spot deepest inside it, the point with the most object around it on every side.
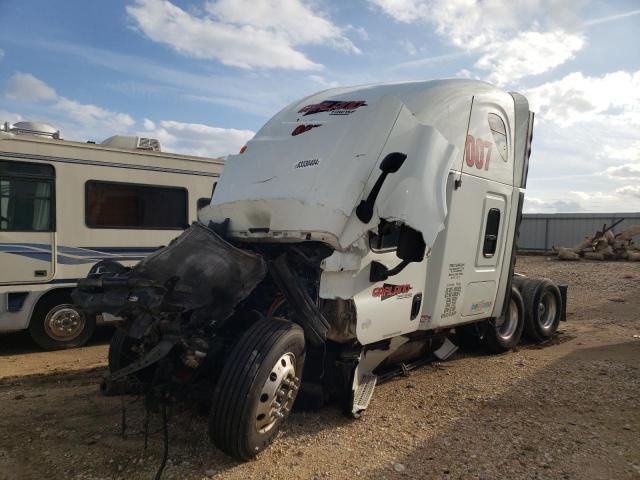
(543, 308)
(505, 332)
(56, 323)
(257, 387)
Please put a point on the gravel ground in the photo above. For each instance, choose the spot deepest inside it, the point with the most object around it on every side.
(567, 410)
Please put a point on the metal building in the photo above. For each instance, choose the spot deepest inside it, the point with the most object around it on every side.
(541, 231)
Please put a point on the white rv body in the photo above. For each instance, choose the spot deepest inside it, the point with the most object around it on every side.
(54, 243)
(304, 173)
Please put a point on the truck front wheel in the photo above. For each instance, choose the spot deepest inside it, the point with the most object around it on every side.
(257, 387)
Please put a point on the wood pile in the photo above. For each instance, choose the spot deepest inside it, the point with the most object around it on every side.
(604, 245)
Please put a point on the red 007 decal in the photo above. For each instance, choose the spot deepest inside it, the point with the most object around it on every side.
(475, 152)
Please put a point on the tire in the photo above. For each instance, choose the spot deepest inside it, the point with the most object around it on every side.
(469, 337)
(507, 335)
(57, 324)
(543, 308)
(266, 362)
(518, 281)
(120, 350)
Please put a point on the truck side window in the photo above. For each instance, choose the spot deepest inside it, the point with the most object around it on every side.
(499, 132)
(26, 197)
(491, 233)
(134, 206)
(387, 237)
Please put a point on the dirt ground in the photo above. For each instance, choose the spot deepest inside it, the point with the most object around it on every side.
(568, 410)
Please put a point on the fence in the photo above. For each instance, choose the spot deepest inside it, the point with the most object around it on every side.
(541, 231)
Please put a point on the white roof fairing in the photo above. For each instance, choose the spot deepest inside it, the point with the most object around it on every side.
(307, 185)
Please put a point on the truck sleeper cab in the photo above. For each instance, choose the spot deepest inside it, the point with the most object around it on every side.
(379, 218)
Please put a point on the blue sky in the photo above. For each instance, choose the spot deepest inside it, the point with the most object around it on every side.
(203, 75)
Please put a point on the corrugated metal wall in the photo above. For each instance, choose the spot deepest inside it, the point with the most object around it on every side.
(541, 231)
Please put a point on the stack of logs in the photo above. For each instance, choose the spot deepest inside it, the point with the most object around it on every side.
(604, 245)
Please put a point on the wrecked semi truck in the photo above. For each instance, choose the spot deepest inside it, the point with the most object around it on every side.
(353, 234)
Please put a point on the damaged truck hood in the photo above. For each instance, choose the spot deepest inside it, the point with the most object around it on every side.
(303, 174)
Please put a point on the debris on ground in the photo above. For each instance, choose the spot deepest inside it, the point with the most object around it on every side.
(604, 245)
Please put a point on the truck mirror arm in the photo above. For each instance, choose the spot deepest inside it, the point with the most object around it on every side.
(390, 164)
(380, 272)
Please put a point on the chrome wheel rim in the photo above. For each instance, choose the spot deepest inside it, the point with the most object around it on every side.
(510, 324)
(547, 309)
(64, 323)
(278, 393)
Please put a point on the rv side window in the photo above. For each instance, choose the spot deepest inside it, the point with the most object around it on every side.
(126, 205)
(26, 197)
(387, 237)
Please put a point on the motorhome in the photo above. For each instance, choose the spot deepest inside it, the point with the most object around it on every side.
(66, 205)
(361, 229)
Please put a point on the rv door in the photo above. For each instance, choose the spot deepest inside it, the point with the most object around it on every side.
(27, 222)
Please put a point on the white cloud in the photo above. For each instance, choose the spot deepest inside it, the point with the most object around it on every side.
(528, 53)
(197, 139)
(11, 117)
(624, 199)
(88, 114)
(539, 205)
(626, 153)
(24, 86)
(630, 190)
(1, 54)
(80, 117)
(578, 98)
(587, 140)
(148, 124)
(513, 39)
(291, 18)
(241, 33)
(629, 171)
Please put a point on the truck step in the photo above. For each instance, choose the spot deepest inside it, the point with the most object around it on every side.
(364, 392)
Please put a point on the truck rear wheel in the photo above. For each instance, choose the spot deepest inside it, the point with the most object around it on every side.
(257, 387)
(504, 333)
(57, 324)
(543, 308)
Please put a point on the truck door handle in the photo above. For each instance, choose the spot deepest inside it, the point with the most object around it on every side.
(415, 305)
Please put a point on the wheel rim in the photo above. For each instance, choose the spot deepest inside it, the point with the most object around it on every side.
(547, 308)
(278, 393)
(510, 324)
(64, 323)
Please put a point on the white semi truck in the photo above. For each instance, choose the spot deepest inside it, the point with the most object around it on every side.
(357, 230)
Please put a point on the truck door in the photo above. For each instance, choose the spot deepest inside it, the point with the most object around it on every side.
(467, 258)
(391, 307)
(488, 165)
(27, 222)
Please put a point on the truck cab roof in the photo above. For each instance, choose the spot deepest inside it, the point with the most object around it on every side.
(303, 174)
